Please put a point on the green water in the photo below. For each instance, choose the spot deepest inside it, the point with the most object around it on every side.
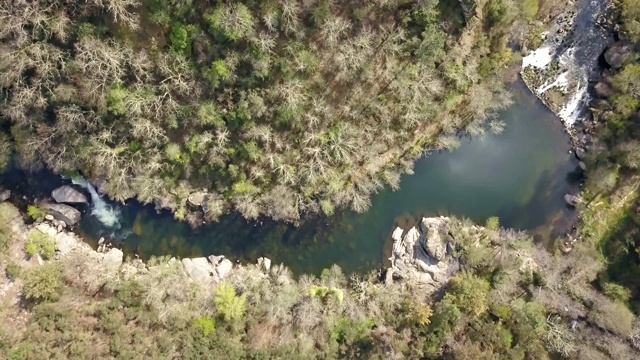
(519, 175)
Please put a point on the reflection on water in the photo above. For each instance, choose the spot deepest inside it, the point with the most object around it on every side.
(519, 176)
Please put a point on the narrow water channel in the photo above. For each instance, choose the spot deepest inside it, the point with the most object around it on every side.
(519, 176)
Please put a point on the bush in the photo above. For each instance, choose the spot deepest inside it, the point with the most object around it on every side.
(616, 292)
(35, 212)
(206, 324)
(40, 243)
(13, 270)
(530, 9)
(493, 223)
(230, 305)
(43, 282)
(469, 293)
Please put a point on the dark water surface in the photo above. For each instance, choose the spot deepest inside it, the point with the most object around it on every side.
(520, 176)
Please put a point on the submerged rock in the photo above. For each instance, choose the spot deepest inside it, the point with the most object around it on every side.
(572, 200)
(69, 195)
(66, 213)
(618, 54)
(582, 166)
(5, 195)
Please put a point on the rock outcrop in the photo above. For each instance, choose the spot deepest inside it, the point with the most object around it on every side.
(69, 195)
(66, 213)
(424, 256)
(617, 54)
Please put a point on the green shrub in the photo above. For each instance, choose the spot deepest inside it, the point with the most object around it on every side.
(469, 293)
(530, 9)
(616, 292)
(179, 37)
(35, 212)
(228, 303)
(493, 223)
(13, 270)
(43, 282)
(40, 243)
(206, 324)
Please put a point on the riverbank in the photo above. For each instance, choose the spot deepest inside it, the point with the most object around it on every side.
(496, 281)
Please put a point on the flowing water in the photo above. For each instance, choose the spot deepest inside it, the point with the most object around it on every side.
(519, 176)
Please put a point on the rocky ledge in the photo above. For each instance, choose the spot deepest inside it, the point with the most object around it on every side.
(202, 270)
(425, 255)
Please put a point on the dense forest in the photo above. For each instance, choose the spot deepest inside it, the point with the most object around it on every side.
(272, 108)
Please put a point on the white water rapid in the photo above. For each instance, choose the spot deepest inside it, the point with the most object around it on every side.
(108, 215)
(567, 57)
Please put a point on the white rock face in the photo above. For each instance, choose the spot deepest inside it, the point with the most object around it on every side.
(397, 234)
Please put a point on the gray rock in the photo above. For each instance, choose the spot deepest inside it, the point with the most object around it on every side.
(582, 166)
(65, 243)
(603, 90)
(197, 198)
(618, 54)
(265, 263)
(113, 258)
(49, 217)
(572, 200)
(580, 153)
(5, 195)
(66, 213)
(69, 195)
(224, 268)
(435, 237)
(199, 269)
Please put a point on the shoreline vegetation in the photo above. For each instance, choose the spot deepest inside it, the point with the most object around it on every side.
(508, 299)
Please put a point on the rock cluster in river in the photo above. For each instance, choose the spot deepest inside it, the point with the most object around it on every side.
(68, 194)
(424, 255)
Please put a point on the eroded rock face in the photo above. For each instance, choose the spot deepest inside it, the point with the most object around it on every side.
(422, 256)
(66, 213)
(69, 195)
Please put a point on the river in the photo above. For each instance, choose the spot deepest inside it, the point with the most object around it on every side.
(519, 175)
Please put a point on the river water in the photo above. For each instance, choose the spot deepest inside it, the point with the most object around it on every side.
(519, 175)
